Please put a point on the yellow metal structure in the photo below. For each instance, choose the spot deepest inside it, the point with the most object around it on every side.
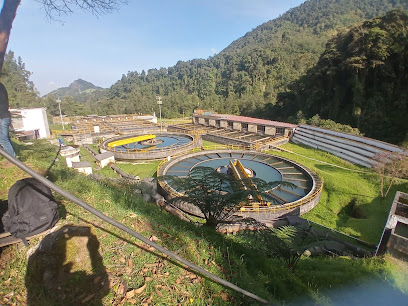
(240, 174)
(130, 140)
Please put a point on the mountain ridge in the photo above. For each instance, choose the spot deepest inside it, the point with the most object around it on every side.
(248, 75)
(76, 89)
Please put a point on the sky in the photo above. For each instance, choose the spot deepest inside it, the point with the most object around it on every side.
(138, 36)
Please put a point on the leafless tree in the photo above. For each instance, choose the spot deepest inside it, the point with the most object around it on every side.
(389, 167)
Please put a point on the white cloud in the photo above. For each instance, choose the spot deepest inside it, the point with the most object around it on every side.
(213, 51)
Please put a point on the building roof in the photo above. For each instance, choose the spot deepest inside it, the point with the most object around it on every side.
(104, 156)
(250, 120)
(83, 164)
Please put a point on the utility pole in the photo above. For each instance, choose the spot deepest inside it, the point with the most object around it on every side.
(59, 106)
(160, 102)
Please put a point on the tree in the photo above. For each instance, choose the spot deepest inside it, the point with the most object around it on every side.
(288, 243)
(7, 15)
(16, 79)
(389, 167)
(53, 9)
(217, 194)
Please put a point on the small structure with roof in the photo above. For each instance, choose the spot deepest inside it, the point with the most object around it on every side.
(105, 159)
(71, 154)
(82, 167)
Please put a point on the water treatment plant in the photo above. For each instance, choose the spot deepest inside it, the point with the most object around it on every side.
(242, 142)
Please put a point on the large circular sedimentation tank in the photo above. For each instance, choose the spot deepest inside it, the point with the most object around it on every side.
(293, 201)
(148, 146)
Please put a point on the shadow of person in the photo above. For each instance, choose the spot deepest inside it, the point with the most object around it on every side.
(3, 210)
(67, 269)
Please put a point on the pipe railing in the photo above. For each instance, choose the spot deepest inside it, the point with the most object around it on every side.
(258, 206)
(126, 229)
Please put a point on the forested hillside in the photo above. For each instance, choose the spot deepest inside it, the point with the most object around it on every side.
(16, 78)
(361, 79)
(250, 73)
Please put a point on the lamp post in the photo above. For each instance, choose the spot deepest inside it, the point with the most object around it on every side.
(160, 102)
(59, 106)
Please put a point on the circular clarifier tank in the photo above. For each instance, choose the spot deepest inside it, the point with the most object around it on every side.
(297, 200)
(148, 146)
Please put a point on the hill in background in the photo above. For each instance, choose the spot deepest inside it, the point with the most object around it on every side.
(247, 76)
(79, 90)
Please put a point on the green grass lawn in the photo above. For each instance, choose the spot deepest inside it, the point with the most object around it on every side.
(340, 188)
(141, 169)
(56, 126)
(106, 171)
(211, 144)
(129, 264)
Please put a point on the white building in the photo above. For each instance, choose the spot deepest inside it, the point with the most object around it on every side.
(83, 167)
(105, 159)
(30, 122)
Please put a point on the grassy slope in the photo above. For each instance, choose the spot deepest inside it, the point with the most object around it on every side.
(340, 188)
(141, 169)
(168, 283)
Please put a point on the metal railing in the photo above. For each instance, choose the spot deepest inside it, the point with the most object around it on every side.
(255, 206)
(264, 207)
(157, 150)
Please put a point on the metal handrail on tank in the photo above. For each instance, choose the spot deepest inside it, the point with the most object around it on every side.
(285, 207)
(165, 149)
(261, 206)
(170, 190)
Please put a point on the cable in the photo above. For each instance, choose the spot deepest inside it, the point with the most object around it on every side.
(47, 172)
(113, 222)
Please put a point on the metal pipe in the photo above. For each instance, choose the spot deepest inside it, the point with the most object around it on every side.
(124, 228)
